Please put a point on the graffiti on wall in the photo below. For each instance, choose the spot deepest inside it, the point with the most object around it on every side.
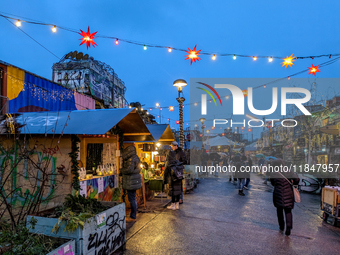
(109, 238)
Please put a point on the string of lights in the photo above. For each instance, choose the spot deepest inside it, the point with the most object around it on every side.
(227, 96)
(193, 54)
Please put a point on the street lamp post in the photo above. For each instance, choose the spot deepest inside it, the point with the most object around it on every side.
(202, 121)
(180, 83)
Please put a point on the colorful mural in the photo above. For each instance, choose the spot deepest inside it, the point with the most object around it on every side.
(31, 93)
(102, 188)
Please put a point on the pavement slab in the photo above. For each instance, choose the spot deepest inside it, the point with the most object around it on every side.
(214, 219)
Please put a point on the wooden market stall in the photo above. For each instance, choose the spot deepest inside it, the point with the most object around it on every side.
(101, 134)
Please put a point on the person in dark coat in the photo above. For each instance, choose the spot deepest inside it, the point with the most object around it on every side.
(181, 157)
(250, 164)
(239, 174)
(215, 159)
(283, 196)
(175, 186)
(132, 179)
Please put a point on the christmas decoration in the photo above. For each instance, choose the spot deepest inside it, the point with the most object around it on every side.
(87, 38)
(314, 70)
(171, 108)
(288, 61)
(245, 92)
(193, 55)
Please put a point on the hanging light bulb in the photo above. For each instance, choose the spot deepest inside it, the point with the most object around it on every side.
(145, 47)
(213, 57)
(54, 29)
(116, 42)
(270, 59)
(18, 23)
(234, 57)
(264, 86)
(169, 49)
(227, 97)
(254, 58)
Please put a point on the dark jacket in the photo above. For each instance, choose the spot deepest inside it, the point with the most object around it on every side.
(215, 158)
(204, 157)
(175, 187)
(283, 195)
(180, 156)
(131, 169)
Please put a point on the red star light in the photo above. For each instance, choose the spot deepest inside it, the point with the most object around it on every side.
(193, 55)
(314, 70)
(87, 38)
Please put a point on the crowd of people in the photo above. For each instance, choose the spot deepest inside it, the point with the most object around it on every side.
(283, 195)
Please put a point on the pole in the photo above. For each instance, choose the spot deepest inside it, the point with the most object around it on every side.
(202, 136)
(180, 101)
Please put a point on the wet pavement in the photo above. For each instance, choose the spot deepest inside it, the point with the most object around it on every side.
(214, 219)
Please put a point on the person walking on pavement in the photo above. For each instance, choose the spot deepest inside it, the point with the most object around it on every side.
(239, 175)
(215, 159)
(180, 156)
(250, 164)
(283, 196)
(131, 180)
(175, 185)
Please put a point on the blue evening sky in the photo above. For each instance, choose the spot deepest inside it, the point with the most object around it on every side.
(263, 27)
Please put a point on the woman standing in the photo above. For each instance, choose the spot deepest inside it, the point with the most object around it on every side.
(175, 186)
(283, 196)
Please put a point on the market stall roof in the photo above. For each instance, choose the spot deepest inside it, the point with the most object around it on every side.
(330, 129)
(161, 132)
(251, 147)
(85, 122)
(221, 140)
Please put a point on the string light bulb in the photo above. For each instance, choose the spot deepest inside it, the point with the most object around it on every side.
(18, 23)
(234, 57)
(116, 42)
(145, 47)
(264, 86)
(169, 49)
(227, 97)
(54, 29)
(213, 57)
(270, 59)
(254, 58)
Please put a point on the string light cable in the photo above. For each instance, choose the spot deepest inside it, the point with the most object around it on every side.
(151, 45)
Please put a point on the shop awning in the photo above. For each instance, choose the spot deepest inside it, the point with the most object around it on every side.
(330, 129)
(161, 132)
(85, 122)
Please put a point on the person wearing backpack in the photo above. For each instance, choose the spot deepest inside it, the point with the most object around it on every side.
(173, 175)
(283, 196)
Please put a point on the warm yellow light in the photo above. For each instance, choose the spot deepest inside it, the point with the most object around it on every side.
(157, 104)
(152, 165)
(227, 97)
(254, 58)
(169, 49)
(141, 165)
(213, 57)
(130, 106)
(141, 109)
(54, 29)
(195, 104)
(147, 113)
(270, 59)
(136, 108)
(18, 23)
(234, 57)
(158, 144)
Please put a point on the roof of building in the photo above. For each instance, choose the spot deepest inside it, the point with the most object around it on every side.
(86, 122)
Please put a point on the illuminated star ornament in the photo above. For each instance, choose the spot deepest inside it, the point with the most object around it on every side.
(314, 70)
(193, 55)
(245, 92)
(87, 38)
(288, 61)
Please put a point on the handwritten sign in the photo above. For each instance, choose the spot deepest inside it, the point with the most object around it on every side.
(100, 185)
(83, 190)
(101, 220)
